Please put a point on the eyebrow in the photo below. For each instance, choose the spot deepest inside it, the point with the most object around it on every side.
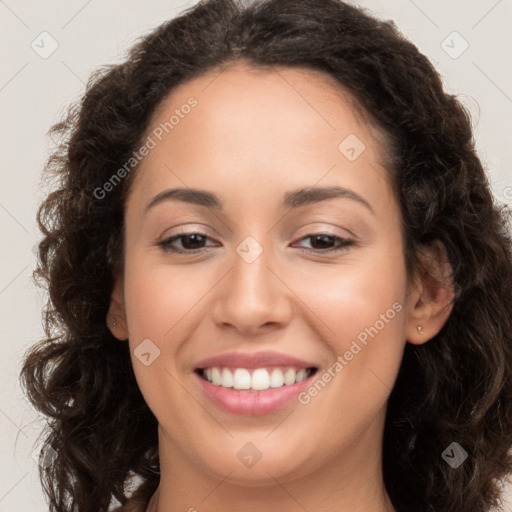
(293, 199)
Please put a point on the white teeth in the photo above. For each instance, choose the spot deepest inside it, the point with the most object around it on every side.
(276, 378)
(289, 376)
(216, 377)
(301, 375)
(241, 379)
(260, 379)
(227, 379)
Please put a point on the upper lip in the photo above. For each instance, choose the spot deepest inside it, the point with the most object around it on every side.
(253, 360)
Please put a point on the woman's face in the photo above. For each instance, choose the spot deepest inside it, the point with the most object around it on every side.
(255, 299)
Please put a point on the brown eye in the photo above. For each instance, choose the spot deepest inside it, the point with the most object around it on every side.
(322, 243)
(190, 242)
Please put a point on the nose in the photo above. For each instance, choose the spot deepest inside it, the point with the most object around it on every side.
(253, 297)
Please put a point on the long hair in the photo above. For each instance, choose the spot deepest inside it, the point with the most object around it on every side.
(455, 388)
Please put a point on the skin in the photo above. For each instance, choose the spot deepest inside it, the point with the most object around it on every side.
(254, 135)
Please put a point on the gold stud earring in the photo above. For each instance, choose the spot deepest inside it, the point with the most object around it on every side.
(420, 329)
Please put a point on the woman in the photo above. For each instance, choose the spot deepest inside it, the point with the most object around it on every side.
(277, 277)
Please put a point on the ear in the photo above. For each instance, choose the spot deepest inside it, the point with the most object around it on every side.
(430, 299)
(116, 316)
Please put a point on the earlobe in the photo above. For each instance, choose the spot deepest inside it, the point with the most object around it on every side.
(116, 316)
(431, 300)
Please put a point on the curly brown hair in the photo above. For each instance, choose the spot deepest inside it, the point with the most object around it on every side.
(457, 387)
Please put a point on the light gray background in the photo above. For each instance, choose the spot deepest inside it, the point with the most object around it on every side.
(34, 92)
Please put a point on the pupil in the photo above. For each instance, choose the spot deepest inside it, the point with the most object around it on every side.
(197, 239)
(323, 238)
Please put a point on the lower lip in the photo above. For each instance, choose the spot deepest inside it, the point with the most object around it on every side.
(252, 403)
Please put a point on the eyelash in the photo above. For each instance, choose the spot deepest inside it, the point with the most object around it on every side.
(343, 243)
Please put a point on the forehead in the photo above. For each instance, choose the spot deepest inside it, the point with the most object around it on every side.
(244, 88)
(264, 119)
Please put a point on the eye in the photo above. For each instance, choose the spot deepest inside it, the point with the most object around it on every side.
(323, 240)
(194, 242)
(190, 242)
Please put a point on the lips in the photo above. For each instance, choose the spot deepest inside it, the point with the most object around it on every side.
(252, 361)
(253, 384)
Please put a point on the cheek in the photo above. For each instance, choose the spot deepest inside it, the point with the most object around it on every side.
(158, 301)
(352, 296)
(360, 310)
(157, 296)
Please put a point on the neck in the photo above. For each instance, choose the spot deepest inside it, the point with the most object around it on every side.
(352, 482)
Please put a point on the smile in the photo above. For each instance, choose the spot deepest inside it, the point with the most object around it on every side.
(257, 379)
(253, 392)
